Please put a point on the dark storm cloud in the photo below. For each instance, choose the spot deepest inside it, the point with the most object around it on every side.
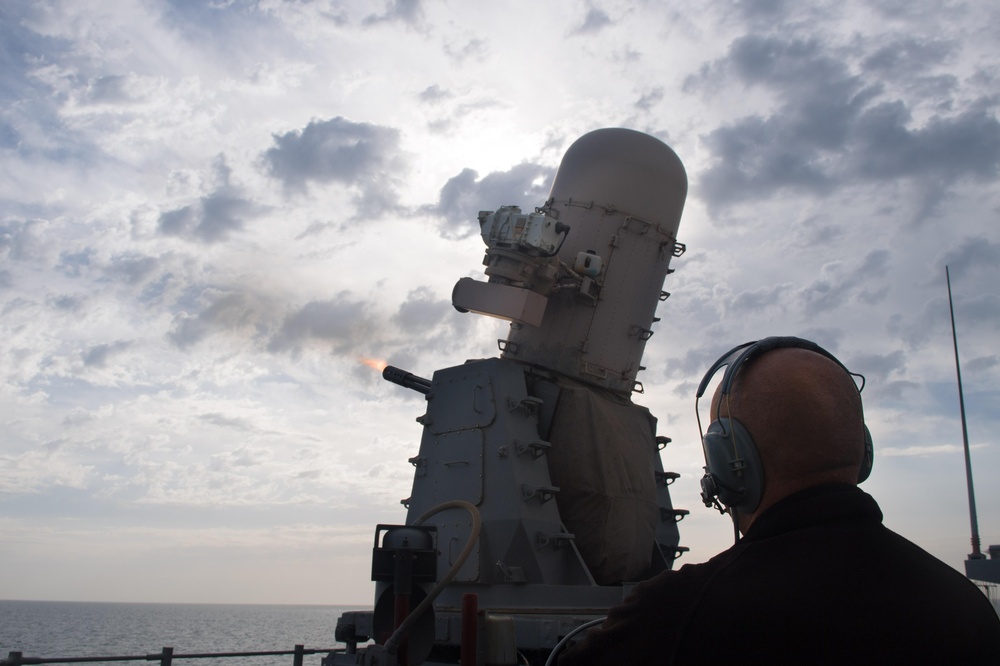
(214, 216)
(342, 323)
(834, 127)
(361, 155)
(464, 195)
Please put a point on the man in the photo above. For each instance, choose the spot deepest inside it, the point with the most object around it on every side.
(816, 577)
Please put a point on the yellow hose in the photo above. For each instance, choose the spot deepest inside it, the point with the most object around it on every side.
(392, 645)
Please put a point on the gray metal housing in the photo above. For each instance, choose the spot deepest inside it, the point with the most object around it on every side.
(621, 192)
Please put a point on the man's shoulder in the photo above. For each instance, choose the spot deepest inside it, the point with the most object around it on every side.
(690, 580)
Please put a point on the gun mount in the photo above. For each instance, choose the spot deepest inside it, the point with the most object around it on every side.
(538, 461)
(406, 379)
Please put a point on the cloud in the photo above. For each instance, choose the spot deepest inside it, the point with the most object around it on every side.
(361, 155)
(421, 310)
(650, 99)
(429, 324)
(341, 323)
(595, 21)
(878, 367)
(464, 195)
(222, 311)
(408, 12)
(835, 127)
(837, 284)
(474, 49)
(133, 268)
(98, 355)
(767, 10)
(21, 241)
(981, 364)
(971, 254)
(434, 94)
(215, 216)
(760, 298)
(931, 450)
(907, 56)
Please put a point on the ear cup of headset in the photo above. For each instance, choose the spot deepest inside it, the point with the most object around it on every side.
(731, 459)
(866, 463)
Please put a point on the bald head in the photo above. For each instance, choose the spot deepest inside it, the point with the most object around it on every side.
(804, 414)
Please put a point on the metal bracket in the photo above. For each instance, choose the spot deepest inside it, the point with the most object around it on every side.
(643, 333)
(643, 225)
(662, 441)
(543, 493)
(512, 574)
(530, 405)
(589, 290)
(666, 478)
(557, 539)
(420, 462)
(677, 515)
(535, 447)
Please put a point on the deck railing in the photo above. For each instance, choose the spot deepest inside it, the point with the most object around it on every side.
(164, 656)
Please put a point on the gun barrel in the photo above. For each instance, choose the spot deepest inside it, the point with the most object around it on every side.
(406, 379)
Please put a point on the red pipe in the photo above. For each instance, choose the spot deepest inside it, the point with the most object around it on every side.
(470, 619)
(401, 610)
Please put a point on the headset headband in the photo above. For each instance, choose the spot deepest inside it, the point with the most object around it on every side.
(743, 353)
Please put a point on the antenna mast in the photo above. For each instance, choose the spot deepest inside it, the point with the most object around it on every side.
(976, 553)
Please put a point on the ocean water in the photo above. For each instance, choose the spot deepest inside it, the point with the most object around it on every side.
(81, 629)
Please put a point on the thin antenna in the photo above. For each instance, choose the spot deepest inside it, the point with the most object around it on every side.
(976, 553)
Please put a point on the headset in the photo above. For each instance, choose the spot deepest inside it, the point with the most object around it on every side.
(734, 475)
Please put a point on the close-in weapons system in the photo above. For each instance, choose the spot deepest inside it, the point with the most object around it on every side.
(539, 495)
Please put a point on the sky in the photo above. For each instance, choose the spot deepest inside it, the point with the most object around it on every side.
(212, 212)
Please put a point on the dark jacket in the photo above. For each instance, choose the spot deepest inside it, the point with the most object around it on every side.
(817, 579)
